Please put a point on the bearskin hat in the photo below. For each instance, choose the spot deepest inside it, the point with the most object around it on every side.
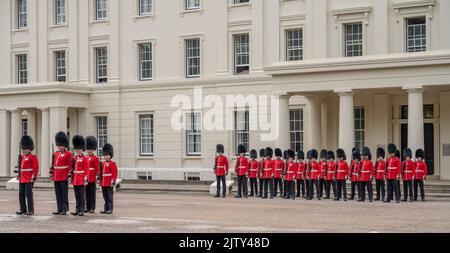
(420, 153)
(397, 153)
(108, 150)
(308, 155)
(407, 152)
(340, 153)
(262, 152)
(253, 154)
(278, 152)
(366, 152)
(62, 140)
(220, 148)
(91, 143)
(381, 153)
(356, 155)
(391, 148)
(78, 142)
(323, 153)
(330, 155)
(314, 154)
(301, 155)
(241, 149)
(26, 143)
(285, 154)
(269, 152)
(291, 154)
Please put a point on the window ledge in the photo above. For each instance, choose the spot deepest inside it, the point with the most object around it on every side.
(57, 26)
(198, 10)
(20, 30)
(192, 157)
(97, 21)
(149, 157)
(144, 16)
(231, 6)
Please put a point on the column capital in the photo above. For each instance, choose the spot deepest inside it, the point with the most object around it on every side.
(418, 88)
(343, 91)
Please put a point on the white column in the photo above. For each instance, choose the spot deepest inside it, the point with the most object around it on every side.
(283, 140)
(45, 143)
(83, 121)
(415, 119)
(315, 126)
(324, 124)
(5, 143)
(16, 126)
(346, 122)
(58, 121)
(31, 117)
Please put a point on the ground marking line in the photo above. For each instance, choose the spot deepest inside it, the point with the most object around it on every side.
(169, 220)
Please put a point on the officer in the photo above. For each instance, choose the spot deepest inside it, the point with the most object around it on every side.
(28, 170)
(314, 171)
(262, 157)
(268, 171)
(330, 181)
(354, 170)
(322, 171)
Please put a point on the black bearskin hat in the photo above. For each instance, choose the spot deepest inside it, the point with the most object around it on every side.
(420, 153)
(391, 148)
(381, 153)
(108, 150)
(340, 153)
(285, 154)
(366, 152)
(61, 139)
(291, 154)
(278, 152)
(269, 152)
(78, 142)
(314, 154)
(407, 152)
(323, 153)
(262, 153)
(220, 148)
(91, 143)
(330, 155)
(241, 149)
(308, 155)
(397, 153)
(253, 154)
(356, 155)
(27, 143)
(301, 155)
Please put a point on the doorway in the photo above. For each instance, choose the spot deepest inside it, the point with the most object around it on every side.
(428, 142)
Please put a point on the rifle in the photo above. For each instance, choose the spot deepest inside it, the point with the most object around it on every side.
(52, 167)
(18, 168)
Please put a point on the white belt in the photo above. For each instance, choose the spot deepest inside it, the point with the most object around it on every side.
(78, 172)
(332, 172)
(289, 172)
(341, 171)
(419, 171)
(313, 171)
(278, 169)
(378, 171)
(91, 169)
(408, 171)
(267, 169)
(219, 167)
(107, 175)
(355, 174)
(253, 169)
(242, 167)
(61, 167)
(392, 168)
(365, 171)
(26, 170)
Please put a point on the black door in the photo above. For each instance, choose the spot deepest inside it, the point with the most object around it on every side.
(403, 139)
(429, 147)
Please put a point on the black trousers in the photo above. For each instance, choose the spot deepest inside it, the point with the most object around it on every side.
(290, 189)
(354, 186)
(341, 187)
(108, 195)
(300, 187)
(328, 185)
(253, 186)
(321, 187)
(419, 183)
(26, 197)
(62, 195)
(368, 185)
(407, 190)
(308, 187)
(399, 192)
(380, 185)
(261, 184)
(285, 188)
(91, 189)
(277, 182)
(392, 188)
(314, 183)
(268, 186)
(242, 186)
(79, 198)
(221, 179)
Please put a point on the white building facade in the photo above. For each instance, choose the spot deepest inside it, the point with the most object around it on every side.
(346, 73)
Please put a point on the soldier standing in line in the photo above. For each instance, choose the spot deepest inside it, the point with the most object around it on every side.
(409, 168)
(283, 173)
(300, 174)
(291, 171)
(80, 174)
(221, 166)
(420, 174)
(94, 167)
(253, 173)
(342, 173)
(241, 169)
(394, 171)
(262, 157)
(268, 170)
(108, 179)
(330, 181)
(366, 175)
(314, 170)
(322, 171)
(279, 167)
(59, 173)
(354, 170)
(380, 174)
(397, 154)
(307, 174)
(28, 170)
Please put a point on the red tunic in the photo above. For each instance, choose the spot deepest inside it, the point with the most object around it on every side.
(291, 171)
(29, 168)
(109, 173)
(221, 165)
(80, 170)
(268, 168)
(279, 167)
(241, 166)
(62, 165)
(408, 172)
(366, 171)
(342, 170)
(94, 164)
(380, 170)
(355, 171)
(394, 168)
(331, 171)
(300, 171)
(421, 171)
(253, 169)
(261, 168)
(315, 170)
(322, 169)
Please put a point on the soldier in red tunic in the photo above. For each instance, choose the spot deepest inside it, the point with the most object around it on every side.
(380, 174)
(322, 171)
(366, 175)
(409, 168)
(314, 171)
(262, 157)
(108, 178)
(420, 174)
(80, 174)
(241, 169)
(27, 174)
(330, 181)
(59, 173)
(221, 166)
(291, 172)
(342, 173)
(307, 173)
(283, 173)
(354, 170)
(300, 177)
(253, 173)
(279, 167)
(94, 167)
(268, 171)
(394, 171)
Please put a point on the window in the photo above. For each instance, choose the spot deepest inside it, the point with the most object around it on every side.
(192, 4)
(416, 34)
(102, 132)
(22, 14)
(145, 7)
(192, 57)
(241, 129)
(359, 127)
(145, 61)
(193, 134)
(60, 11)
(22, 71)
(296, 129)
(24, 127)
(146, 134)
(101, 60)
(101, 9)
(353, 34)
(241, 54)
(60, 60)
(428, 111)
(241, 1)
(294, 45)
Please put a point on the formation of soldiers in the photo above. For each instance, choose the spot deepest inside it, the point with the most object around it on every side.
(291, 175)
(82, 168)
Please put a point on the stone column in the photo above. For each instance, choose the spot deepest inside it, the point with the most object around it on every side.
(315, 128)
(58, 121)
(283, 140)
(5, 143)
(45, 143)
(31, 117)
(324, 124)
(83, 121)
(415, 118)
(16, 126)
(346, 121)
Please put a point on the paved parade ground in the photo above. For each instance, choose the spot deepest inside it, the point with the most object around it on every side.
(198, 212)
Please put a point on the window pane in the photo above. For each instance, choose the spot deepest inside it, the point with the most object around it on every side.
(22, 16)
(359, 114)
(294, 45)
(296, 129)
(102, 132)
(145, 7)
(145, 61)
(192, 57)
(416, 35)
(22, 69)
(241, 54)
(60, 11)
(101, 9)
(102, 65)
(353, 39)
(242, 127)
(146, 134)
(60, 60)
